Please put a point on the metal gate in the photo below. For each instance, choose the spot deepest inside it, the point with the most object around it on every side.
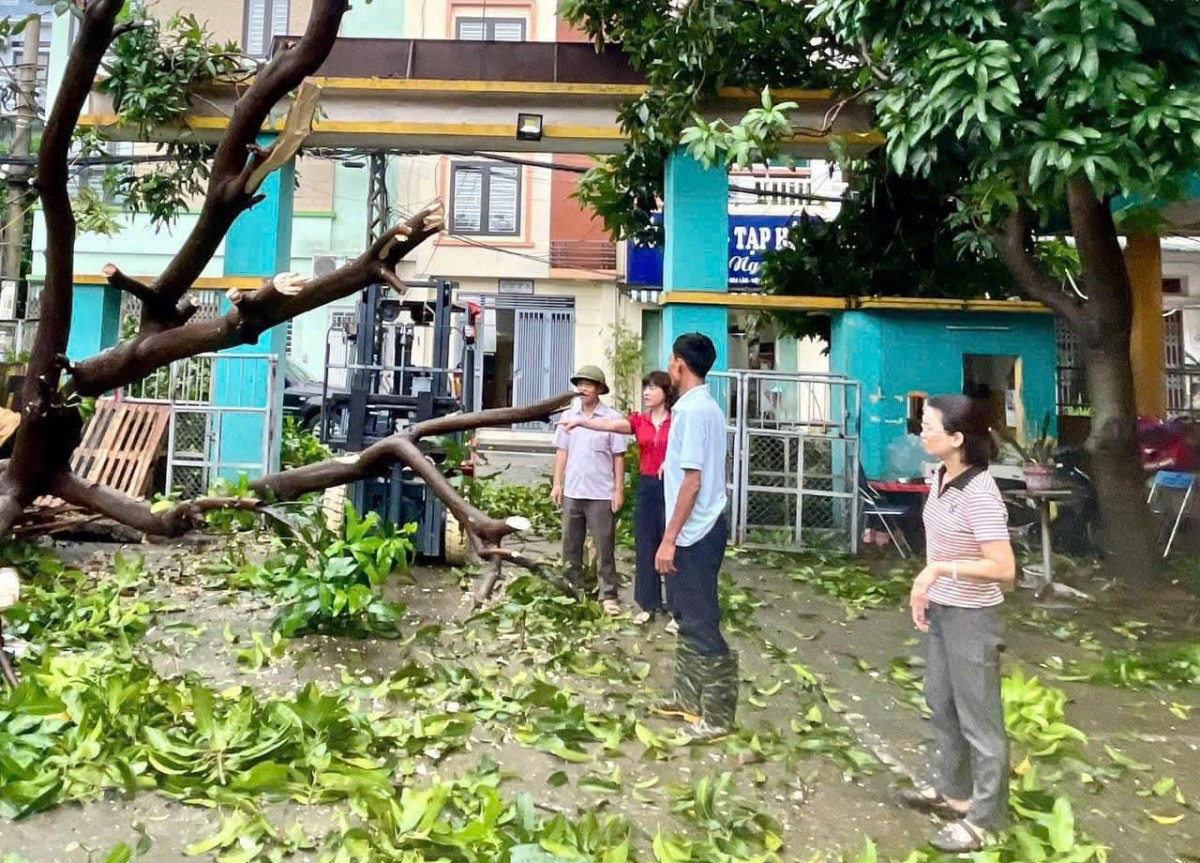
(793, 458)
(224, 417)
(543, 356)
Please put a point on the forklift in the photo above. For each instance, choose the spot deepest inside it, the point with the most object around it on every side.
(408, 360)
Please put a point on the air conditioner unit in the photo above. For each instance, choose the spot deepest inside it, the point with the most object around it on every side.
(323, 265)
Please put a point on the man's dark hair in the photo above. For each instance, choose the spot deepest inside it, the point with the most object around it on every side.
(697, 352)
(966, 416)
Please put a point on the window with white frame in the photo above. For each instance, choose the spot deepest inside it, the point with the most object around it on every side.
(265, 19)
(485, 199)
(479, 29)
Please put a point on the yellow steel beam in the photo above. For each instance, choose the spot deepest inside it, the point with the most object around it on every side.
(776, 302)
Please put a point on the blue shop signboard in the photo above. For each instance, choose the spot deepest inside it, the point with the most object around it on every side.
(749, 238)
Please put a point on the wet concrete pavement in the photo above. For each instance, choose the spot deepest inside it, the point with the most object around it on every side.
(824, 810)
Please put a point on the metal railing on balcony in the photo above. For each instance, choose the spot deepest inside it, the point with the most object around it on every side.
(1183, 392)
(583, 254)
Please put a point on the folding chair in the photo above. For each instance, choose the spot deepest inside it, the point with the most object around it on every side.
(874, 506)
(1172, 485)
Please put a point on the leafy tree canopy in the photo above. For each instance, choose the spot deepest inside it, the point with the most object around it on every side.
(152, 73)
(688, 51)
(893, 237)
(896, 236)
(1033, 94)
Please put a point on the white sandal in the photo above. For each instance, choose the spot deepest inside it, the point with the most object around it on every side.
(959, 837)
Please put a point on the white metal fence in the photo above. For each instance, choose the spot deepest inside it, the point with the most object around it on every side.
(1183, 392)
(224, 417)
(793, 458)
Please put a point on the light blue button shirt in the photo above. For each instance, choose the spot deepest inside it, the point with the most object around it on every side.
(697, 442)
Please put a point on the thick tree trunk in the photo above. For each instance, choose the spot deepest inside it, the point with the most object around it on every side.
(1116, 469)
(1105, 332)
(49, 431)
(1103, 323)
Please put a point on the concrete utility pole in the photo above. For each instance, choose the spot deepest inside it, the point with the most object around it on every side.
(19, 193)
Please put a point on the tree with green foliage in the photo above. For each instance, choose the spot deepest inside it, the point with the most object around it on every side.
(893, 237)
(1055, 109)
(688, 52)
(153, 71)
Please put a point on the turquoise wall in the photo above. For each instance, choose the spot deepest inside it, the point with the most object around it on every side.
(713, 321)
(696, 226)
(695, 251)
(95, 321)
(894, 353)
(258, 244)
(380, 19)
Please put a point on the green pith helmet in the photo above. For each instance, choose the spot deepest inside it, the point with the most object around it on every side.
(593, 374)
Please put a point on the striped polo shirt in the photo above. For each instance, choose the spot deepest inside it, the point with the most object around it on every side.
(960, 515)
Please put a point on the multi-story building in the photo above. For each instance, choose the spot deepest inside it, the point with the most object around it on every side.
(551, 282)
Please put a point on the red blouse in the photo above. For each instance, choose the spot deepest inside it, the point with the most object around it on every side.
(651, 441)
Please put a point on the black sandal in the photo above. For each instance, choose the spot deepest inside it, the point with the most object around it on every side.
(959, 837)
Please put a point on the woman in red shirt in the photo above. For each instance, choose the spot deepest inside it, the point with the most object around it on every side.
(651, 428)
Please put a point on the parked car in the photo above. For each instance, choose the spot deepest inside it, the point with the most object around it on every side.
(302, 395)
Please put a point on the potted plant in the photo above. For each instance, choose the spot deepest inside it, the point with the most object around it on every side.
(1036, 455)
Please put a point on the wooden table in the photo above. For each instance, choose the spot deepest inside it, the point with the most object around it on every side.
(1041, 501)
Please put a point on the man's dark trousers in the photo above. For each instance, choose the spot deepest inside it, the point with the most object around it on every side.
(581, 517)
(693, 591)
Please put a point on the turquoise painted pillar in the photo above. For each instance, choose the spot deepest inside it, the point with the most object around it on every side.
(258, 244)
(696, 254)
(95, 320)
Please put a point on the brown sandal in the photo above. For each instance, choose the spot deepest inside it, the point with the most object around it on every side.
(926, 798)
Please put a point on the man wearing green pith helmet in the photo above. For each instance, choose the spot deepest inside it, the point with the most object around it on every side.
(589, 484)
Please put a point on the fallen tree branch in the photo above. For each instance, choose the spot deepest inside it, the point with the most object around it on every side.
(254, 312)
(178, 520)
(486, 533)
(297, 126)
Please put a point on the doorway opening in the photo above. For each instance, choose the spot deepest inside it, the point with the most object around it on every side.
(528, 350)
(498, 360)
(995, 381)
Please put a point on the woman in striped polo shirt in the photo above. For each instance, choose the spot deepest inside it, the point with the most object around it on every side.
(956, 600)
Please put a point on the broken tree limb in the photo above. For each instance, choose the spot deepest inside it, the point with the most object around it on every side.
(253, 313)
(486, 533)
(488, 585)
(297, 126)
(138, 514)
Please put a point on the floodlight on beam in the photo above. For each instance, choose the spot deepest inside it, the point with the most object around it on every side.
(529, 127)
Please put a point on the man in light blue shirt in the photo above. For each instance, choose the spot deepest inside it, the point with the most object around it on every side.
(693, 546)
